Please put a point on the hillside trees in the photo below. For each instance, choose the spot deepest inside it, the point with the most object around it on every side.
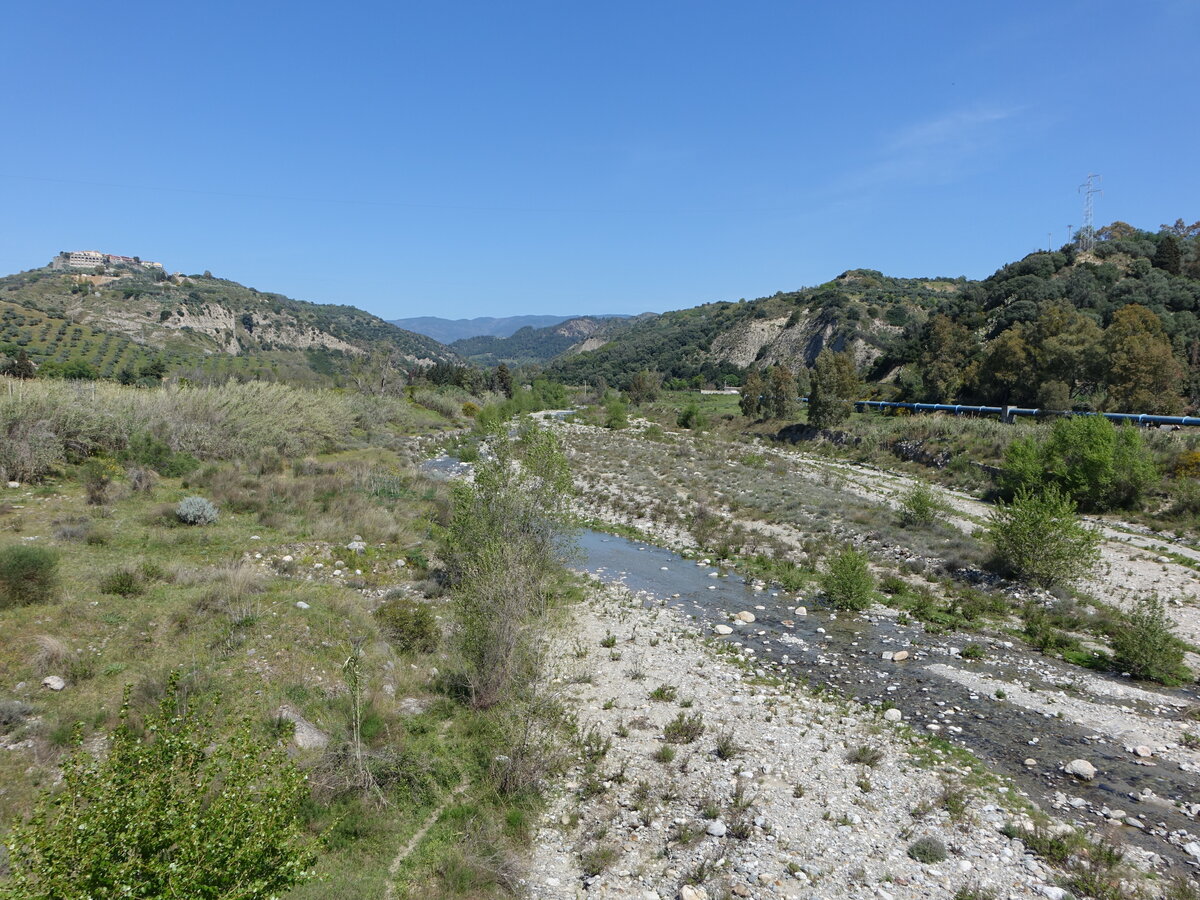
(835, 387)
(1142, 372)
(946, 351)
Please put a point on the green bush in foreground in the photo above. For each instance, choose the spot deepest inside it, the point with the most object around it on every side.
(1144, 645)
(27, 575)
(849, 584)
(179, 813)
(919, 505)
(1039, 538)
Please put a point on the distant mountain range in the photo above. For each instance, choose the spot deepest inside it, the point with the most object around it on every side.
(449, 330)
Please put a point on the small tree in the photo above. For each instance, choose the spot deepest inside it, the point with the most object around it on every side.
(752, 391)
(644, 387)
(835, 387)
(781, 392)
(616, 413)
(1144, 644)
(1039, 538)
(848, 583)
(502, 557)
(178, 812)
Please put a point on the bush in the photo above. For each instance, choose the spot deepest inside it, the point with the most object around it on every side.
(410, 626)
(920, 505)
(684, 729)
(27, 575)
(98, 474)
(849, 584)
(193, 815)
(122, 583)
(1096, 464)
(927, 850)
(1038, 538)
(691, 418)
(616, 414)
(1145, 645)
(195, 511)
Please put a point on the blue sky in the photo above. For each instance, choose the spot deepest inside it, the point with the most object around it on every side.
(463, 159)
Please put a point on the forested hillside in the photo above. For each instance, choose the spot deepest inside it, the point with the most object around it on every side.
(1115, 327)
(122, 318)
(539, 345)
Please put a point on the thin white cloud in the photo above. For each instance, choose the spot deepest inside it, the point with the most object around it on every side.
(934, 150)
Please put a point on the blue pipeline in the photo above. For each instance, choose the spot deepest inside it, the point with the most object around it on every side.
(1008, 413)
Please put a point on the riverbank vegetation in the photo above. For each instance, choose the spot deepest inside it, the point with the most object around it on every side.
(311, 617)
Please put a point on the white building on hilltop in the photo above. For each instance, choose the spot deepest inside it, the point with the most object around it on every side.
(89, 259)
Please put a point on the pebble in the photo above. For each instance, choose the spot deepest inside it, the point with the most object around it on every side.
(745, 616)
(892, 715)
(900, 656)
(716, 829)
(300, 604)
(53, 682)
(722, 629)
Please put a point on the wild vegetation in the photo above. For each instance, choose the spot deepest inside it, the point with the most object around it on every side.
(278, 595)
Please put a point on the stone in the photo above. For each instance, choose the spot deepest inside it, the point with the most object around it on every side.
(287, 558)
(740, 890)
(300, 604)
(892, 715)
(14, 484)
(801, 610)
(1080, 768)
(305, 735)
(900, 656)
(887, 655)
(357, 544)
(1051, 892)
(723, 629)
(688, 892)
(1143, 751)
(745, 616)
(53, 682)
(1192, 849)
(1030, 762)
(716, 829)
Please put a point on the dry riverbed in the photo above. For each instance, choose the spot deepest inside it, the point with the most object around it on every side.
(783, 793)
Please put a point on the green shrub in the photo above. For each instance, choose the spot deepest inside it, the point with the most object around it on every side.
(690, 417)
(848, 583)
(1144, 644)
(616, 413)
(920, 505)
(27, 575)
(927, 850)
(195, 511)
(684, 729)
(122, 583)
(410, 626)
(194, 815)
(1096, 464)
(1039, 538)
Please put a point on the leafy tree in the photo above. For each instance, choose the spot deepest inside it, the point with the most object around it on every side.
(947, 349)
(1039, 538)
(175, 810)
(1145, 645)
(1142, 372)
(1167, 257)
(691, 417)
(644, 387)
(1096, 464)
(835, 387)
(1006, 368)
(781, 392)
(504, 380)
(752, 391)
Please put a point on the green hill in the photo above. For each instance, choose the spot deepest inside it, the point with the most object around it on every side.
(205, 328)
(1115, 327)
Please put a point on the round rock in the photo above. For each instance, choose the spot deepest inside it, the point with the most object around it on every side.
(1080, 768)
